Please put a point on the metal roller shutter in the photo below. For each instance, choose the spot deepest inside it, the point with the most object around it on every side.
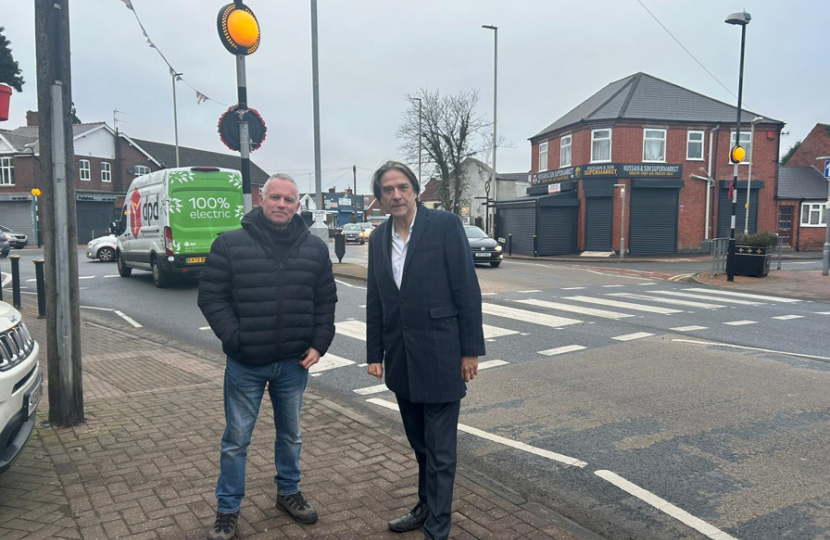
(725, 212)
(653, 224)
(19, 217)
(557, 230)
(520, 221)
(599, 213)
(94, 218)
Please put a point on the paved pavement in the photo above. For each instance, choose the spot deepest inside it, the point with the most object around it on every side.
(144, 464)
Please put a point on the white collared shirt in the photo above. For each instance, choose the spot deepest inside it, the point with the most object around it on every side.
(399, 248)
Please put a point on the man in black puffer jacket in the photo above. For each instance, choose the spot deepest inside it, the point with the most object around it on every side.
(268, 292)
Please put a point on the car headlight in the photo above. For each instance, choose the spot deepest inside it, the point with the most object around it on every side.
(361, 235)
(498, 248)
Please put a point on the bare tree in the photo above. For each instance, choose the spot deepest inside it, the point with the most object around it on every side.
(449, 128)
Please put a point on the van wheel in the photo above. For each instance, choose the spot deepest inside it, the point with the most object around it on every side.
(160, 278)
(106, 254)
(123, 270)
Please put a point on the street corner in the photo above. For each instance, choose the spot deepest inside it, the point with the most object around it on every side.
(796, 284)
(351, 271)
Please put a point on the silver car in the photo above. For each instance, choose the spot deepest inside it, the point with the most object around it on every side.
(354, 233)
(102, 248)
(17, 240)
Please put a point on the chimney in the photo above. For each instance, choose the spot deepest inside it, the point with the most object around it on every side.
(332, 190)
(31, 118)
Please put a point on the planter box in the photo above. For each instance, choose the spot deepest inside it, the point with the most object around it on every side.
(752, 261)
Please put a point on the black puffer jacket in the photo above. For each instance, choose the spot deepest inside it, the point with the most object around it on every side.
(264, 309)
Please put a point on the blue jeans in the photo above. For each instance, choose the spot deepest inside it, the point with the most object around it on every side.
(244, 387)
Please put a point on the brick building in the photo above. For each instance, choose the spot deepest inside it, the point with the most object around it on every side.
(802, 193)
(647, 136)
(105, 164)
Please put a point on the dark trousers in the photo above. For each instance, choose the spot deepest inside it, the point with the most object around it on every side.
(432, 430)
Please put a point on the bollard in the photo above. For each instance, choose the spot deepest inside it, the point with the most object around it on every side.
(510, 245)
(339, 245)
(41, 289)
(1, 286)
(535, 245)
(15, 259)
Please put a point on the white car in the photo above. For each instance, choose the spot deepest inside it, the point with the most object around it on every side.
(103, 248)
(21, 385)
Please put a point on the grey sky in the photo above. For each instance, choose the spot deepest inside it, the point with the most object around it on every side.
(553, 54)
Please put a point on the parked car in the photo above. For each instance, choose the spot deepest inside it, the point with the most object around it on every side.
(367, 230)
(5, 247)
(484, 249)
(354, 233)
(17, 240)
(103, 248)
(21, 385)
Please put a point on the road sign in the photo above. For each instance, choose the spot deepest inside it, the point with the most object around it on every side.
(320, 215)
(827, 169)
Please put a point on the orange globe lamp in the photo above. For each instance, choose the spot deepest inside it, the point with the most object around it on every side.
(238, 29)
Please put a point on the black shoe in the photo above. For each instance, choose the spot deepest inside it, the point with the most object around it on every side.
(299, 508)
(225, 526)
(411, 521)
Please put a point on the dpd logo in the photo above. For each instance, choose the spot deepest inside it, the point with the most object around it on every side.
(135, 214)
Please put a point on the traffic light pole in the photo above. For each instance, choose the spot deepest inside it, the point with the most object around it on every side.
(244, 139)
(730, 258)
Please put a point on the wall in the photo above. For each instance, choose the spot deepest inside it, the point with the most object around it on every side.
(100, 143)
(815, 144)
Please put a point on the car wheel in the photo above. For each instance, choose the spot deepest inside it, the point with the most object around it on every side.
(4, 254)
(160, 278)
(495, 264)
(362, 242)
(123, 269)
(106, 254)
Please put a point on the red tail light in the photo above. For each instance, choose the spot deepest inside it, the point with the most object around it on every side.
(168, 241)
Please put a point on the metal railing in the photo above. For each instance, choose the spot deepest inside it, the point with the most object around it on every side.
(718, 248)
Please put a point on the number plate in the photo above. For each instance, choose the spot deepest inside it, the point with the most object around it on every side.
(482, 254)
(32, 398)
(196, 260)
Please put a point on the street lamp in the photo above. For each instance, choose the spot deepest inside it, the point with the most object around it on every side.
(622, 220)
(736, 155)
(749, 176)
(419, 138)
(495, 30)
(176, 77)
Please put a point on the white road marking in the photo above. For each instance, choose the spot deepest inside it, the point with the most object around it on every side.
(488, 294)
(709, 298)
(739, 323)
(316, 374)
(352, 329)
(562, 350)
(811, 356)
(491, 364)
(329, 361)
(97, 308)
(630, 337)
(530, 291)
(491, 332)
(362, 307)
(646, 284)
(362, 365)
(204, 328)
(822, 312)
(370, 390)
(87, 277)
(670, 301)
(112, 276)
(566, 460)
(624, 305)
(664, 506)
(28, 280)
(526, 316)
(573, 288)
(747, 295)
(689, 328)
(576, 309)
(349, 285)
(128, 319)
(612, 286)
(789, 317)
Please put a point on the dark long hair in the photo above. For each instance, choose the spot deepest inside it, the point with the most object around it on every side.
(396, 166)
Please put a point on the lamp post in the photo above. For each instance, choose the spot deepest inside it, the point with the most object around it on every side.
(175, 76)
(495, 30)
(749, 175)
(736, 155)
(622, 220)
(419, 138)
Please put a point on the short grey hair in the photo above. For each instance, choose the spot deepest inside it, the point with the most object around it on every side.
(280, 176)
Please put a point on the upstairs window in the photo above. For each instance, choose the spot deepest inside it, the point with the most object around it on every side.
(6, 171)
(694, 145)
(565, 151)
(654, 145)
(85, 170)
(600, 145)
(746, 142)
(106, 172)
(543, 156)
(141, 170)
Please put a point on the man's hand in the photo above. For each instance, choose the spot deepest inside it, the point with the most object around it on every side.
(311, 357)
(376, 370)
(469, 367)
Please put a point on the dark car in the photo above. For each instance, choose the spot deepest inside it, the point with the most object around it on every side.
(16, 240)
(483, 248)
(354, 233)
(4, 245)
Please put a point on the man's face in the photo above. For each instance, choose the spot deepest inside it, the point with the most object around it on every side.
(397, 194)
(280, 202)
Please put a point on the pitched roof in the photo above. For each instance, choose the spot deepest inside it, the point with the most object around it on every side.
(644, 97)
(192, 157)
(30, 134)
(801, 183)
(430, 191)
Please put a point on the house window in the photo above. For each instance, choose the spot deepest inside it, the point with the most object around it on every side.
(813, 214)
(600, 145)
(654, 145)
(543, 156)
(565, 151)
(6, 171)
(85, 170)
(141, 170)
(106, 172)
(746, 142)
(694, 145)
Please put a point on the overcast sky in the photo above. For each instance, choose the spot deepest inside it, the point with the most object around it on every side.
(553, 54)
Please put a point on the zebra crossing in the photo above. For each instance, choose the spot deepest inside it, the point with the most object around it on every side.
(510, 316)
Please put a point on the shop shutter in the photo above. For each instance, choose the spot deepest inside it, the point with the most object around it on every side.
(653, 223)
(94, 218)
(520, 221)
(557, 230)
(599, 213)
(19, 217)
(725, 212)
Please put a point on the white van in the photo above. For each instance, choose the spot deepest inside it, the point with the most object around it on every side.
(171, 217)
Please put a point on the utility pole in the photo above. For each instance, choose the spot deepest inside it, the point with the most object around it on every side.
(319, 228)
(175, 76)
(54, 92)
(419, 137)
(354, 193)
(495, 30)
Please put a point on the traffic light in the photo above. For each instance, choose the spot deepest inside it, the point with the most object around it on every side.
(737, 154)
